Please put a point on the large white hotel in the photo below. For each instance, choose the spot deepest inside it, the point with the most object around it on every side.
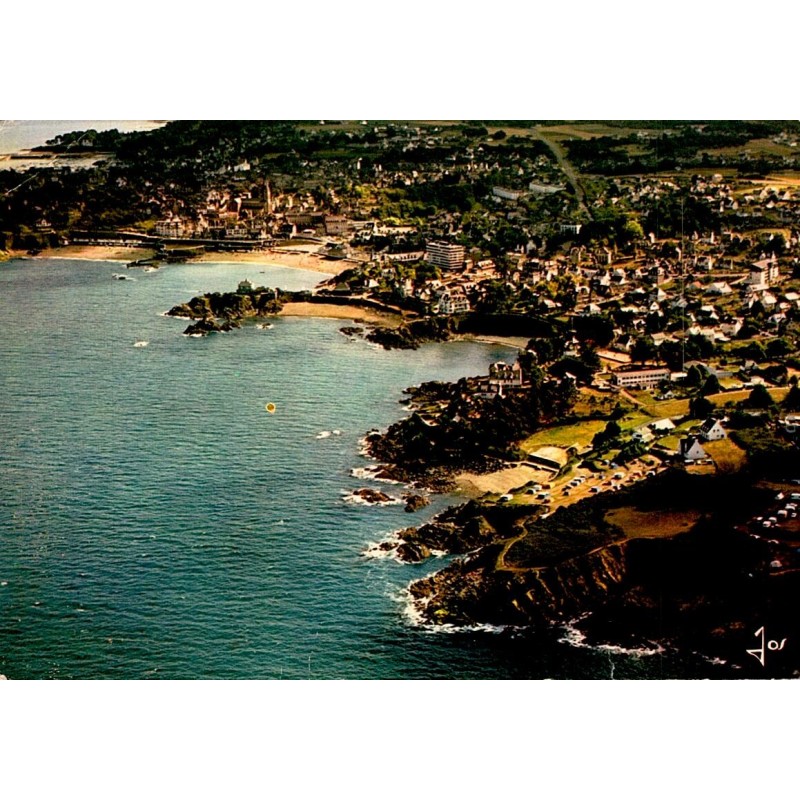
(642, 378)
(445, 255)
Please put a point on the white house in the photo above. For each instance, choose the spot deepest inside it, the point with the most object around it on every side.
(719, 288)
(711, 430)
(691, 449)
(662, 425)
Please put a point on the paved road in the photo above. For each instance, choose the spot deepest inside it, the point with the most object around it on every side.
(567, 168)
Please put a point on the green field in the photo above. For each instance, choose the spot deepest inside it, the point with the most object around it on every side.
(579, 434)
(637, 524)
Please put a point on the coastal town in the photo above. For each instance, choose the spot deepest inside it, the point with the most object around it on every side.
(645, 278)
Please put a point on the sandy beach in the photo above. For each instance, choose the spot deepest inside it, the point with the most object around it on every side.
(339, 312)
(500, 482)
(280, 257)
(299, 258)
(518, 342)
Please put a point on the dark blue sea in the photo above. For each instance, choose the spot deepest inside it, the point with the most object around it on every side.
(157, 522)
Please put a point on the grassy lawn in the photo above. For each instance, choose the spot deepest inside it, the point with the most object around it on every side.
(777, 393)
(755, 147)
(579, 434)
(648, 525)
(593, 402)
(668, 408)
(729, 383)
(727, 456)
(588, 130)
(633, 419)
(671, 442)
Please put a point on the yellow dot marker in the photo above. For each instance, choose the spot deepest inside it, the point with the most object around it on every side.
(270, 407)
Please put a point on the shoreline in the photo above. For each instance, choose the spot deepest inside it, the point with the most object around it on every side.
(280, 257)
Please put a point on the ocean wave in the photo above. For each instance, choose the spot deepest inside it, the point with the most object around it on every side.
(413, 612)
(371, 474)
(714, 660)
(193, 335)
(379, 550)
(357, 500)
(363, 445)
(373, 550)
(323, 435)
(576, 638)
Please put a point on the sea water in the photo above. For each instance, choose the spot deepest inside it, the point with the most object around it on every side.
(156, 521)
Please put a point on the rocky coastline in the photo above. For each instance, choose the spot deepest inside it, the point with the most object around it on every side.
(699, 591)
(217, 312)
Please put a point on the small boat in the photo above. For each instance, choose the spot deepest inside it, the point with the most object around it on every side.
(264, 326)
(141, 343)
(118, 276)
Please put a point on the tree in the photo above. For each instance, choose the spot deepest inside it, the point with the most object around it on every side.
(753, 350)
(607, 435)
(792, 400)
(630, 451)
(700, 407)
(778, 347)
(643, 349)
(589, 357)
(694, 375)
(655, 322)
(760, 397)
(711, 386)
(632, 231)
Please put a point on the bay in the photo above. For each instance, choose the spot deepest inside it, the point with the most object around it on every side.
(155, 521)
